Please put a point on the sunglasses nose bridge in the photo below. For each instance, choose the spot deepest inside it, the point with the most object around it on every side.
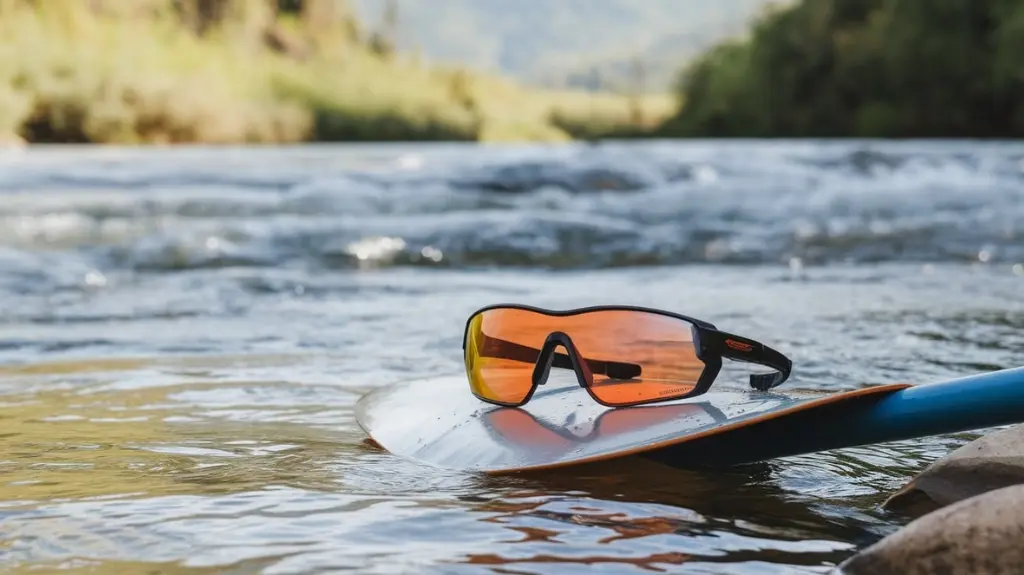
(571, 360)
(545, 358)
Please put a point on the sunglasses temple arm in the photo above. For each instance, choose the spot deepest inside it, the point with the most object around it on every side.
(738, 348)
(500, 348)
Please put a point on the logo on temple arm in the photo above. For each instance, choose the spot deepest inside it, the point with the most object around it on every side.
(739, 346)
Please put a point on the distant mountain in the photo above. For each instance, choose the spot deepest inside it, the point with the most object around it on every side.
(562, 42)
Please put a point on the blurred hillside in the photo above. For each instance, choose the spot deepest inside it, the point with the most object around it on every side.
(864, 68)
(232, 71)
(236, 71)
(563, 43)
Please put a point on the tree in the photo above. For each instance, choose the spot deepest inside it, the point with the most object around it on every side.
(864, 68)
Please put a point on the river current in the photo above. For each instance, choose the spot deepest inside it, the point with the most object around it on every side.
(184, 333)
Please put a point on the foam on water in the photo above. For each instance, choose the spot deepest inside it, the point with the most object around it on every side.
(588, 207)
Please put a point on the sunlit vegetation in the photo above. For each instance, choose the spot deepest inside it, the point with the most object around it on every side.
(238, 71)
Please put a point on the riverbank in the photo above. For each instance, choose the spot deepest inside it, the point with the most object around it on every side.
(72, 73)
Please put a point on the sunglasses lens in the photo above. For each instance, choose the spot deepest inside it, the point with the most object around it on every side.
(502, 346)
(660, 345)
(633, 356)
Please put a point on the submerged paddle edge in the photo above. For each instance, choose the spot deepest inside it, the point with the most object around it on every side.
(365, 415)
(871, 415)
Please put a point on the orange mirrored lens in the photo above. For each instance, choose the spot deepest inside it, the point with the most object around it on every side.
(633, 356)
(492, 376)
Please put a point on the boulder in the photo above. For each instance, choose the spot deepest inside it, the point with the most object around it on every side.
(988, 463)
(981, 535)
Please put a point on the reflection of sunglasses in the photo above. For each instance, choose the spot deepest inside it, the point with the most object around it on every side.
(523, 429)
(646, 355)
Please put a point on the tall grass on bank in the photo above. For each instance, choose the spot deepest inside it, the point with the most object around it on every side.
(79, 77)
(71, 73)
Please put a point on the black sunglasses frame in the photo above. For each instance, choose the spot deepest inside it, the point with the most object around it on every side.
(711, 346)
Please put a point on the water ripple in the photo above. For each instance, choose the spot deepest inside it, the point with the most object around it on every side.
(184, 333)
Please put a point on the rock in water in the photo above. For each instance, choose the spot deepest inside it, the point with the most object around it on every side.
(982, 535)
(988, 463)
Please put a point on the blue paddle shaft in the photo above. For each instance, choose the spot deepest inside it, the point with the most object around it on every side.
(951, 406)
(966, 403)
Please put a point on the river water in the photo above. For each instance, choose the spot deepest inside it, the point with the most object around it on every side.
(184, 332)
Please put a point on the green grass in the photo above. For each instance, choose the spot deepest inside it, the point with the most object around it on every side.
(68, 74)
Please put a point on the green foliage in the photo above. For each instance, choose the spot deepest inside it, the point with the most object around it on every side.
(863, 68)
(726, 101)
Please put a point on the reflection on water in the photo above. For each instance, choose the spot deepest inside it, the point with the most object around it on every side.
(183, 336)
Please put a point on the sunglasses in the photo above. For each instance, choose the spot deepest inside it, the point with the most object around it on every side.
(622, 355)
